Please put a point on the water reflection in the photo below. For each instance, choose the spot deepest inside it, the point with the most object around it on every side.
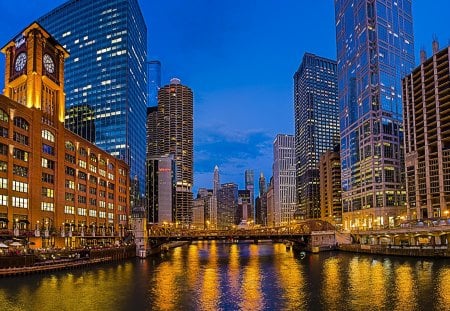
(244, 276)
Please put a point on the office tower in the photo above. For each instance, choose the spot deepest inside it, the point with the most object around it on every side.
(198, 214)
(244, 209)
(160, 190)
(227, 203)
(271, 217)
(261, 202)
(375, 49)
(154, 82)
(209, 207)
(250, 186)
(106, 71)
(284, 184)
(152, 132)
(56, 186)
(262, 184)
(427, 136)
(316, 126)
(80, 120)
(175, 127)
(216, 181)
(330, 187)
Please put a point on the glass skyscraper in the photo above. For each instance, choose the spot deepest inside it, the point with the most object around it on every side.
(154, 82)
(375, 49)
(106, 73)
(316, 127)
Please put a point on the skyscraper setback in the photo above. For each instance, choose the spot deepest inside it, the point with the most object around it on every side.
(175, 136)
(316, 126)
(375, 49)
(105, 74)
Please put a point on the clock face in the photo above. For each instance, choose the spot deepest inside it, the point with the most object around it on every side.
(49, 65)
(21, 60)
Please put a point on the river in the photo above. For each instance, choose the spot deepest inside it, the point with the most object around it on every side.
(244, 276)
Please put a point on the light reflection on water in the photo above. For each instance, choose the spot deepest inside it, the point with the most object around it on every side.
(244, 276)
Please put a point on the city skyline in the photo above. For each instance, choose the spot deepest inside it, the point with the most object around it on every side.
(228, 49)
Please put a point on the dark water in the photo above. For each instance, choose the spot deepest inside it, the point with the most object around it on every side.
(218, 276)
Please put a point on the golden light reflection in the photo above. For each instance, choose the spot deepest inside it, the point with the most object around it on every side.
(233, 270)
(290, 277)
(332, 284)
(405, 293)
(251, 282)
(193, 263)
(209, 294)
(443, 288)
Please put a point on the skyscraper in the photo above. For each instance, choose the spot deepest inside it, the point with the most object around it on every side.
(330, 187)
(154, 82)
(250, 186)
(427, 136)
(316, 126)
(284, 185)
(106, 72)
(227, 204)
(175, 136)
(375, 49)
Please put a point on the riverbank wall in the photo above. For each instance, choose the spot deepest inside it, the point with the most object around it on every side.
(395, 250)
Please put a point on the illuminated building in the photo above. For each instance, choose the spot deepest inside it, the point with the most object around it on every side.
(250, 186)
(55, 187)
(152, 132)
(107, 40)
(154, 82)
(227, 204)
(330, 186)
(244, 208)
(198, 214)
(175, 136)
(375, 50)
(271, 217)
(316, 126)
(161, 189)
(261, 202)
(284, 185)
(80, 120)
(426, 100)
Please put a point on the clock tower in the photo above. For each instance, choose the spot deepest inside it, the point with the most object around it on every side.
(34, 73)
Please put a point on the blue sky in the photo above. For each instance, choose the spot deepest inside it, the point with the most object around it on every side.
(238, 56)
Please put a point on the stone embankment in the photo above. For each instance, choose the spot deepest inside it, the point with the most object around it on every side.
(397, 250)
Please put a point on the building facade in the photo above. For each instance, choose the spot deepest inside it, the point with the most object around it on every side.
(316, 126)
(330, 187)
(261, 202)
(161, 186)
(375, 50)
(250, 186)
(227, 204)
(175, 137)
(56, 188)
(154, 82)
(426, 99)
(106, 72)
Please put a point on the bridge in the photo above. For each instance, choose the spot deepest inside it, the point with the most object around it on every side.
(309, 234)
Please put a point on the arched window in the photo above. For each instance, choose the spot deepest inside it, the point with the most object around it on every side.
(3, 116)
(70, 146)
(82, 151)
(21, 123)
(102, 161)
(46, 134)
(93, 157)
(110, 166)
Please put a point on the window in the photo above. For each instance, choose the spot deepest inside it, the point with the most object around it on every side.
(102, 193)
(93, 202)
(93, 191)
(82, 211)
(47, 192)
(110, 196)
(102, 214)
(70, 171)
(111, 186)
(111, 176)
(102, 161)
(110, 205)
(3, 200)
(81, 199)
(93, 179)
(70, 184)
(3, 116)
(110, 216)
(19, 186)
(21, 139)
(102, 172)
(46, 134)
(21, 123)
(82, 163)
(3, 183)
(111, 166)
(3, 149)
(92, 168)
(20, 154)
(3, 166)
(19, 202)
(47, 206)
(69, 197)
(82, 151)
(102, 204)
(69, 209)
(82, 187)
(93, 157)
(82, 175)
(48, 178)
(70, 146)
(20, 170)
(69, 158)
(48, 163)
(3, 132)
(92, 213)
(48, 149)
(102, 183)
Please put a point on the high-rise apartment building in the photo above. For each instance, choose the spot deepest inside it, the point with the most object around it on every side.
(106, 73)
(426, 99)
(154, 82)
(284, 184)
(375, 49)
(250, 186)
(316, 126)
(175, 137)
(330, 187)
(152, 132)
